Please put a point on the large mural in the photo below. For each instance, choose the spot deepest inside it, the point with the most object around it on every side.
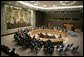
(17, 17)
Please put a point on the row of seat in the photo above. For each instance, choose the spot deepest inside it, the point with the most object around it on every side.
(31, 43)
(64, 48)
(26, 41)
(22, 38)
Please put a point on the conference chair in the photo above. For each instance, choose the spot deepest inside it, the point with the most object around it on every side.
(57, 46)
(59, 51)
(48, 47)
(34, 45)
(16, 34)
(71, 45)
(75, 49)
(62, 50)
(62, 46)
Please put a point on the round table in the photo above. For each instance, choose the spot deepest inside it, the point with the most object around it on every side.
(51, 31)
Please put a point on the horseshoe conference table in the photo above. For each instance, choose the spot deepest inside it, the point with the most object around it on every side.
(54, 32)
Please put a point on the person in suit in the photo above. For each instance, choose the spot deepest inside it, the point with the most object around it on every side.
(60, 36)
(41, 35)
(46, 35)
(16, 36)
(12, 52)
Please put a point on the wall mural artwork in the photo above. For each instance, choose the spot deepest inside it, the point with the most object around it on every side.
(17, 17)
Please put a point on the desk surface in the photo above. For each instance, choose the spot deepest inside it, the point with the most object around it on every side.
(53, 32)
(53, 40)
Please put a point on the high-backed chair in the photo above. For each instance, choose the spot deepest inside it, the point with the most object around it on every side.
(76, 48)
(71, 45)
(48, 47)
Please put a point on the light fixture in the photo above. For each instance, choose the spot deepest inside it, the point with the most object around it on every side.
(32, 1)
(44, 6)
(37, 5)
(53, 5)
(67, 3)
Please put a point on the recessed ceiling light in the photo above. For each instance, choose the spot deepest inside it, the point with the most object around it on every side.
(44, 5)
(67, 3)
(53, 5)
(32, 1)
(36, 4)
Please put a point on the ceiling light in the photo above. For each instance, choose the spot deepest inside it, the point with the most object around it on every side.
(35, 4)
(32, 1)
(65, 7)
(67, 3)
(53, 5)
(44, 5)
(48, 7)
